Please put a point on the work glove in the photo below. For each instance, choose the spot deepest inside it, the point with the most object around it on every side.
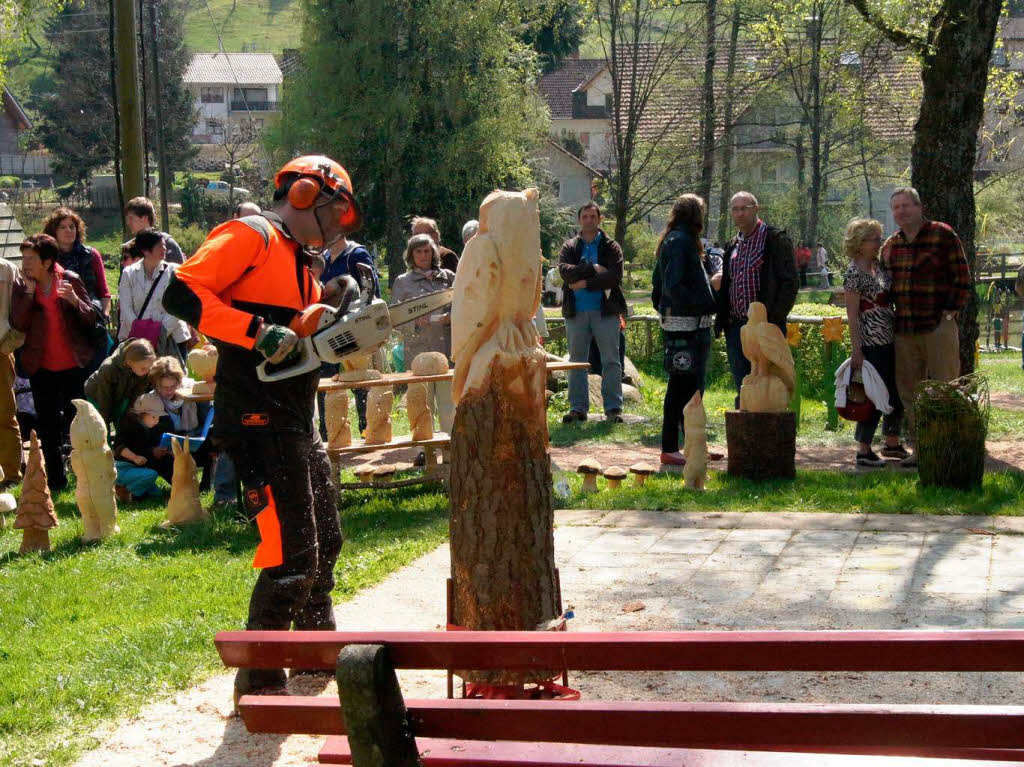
(275, 342)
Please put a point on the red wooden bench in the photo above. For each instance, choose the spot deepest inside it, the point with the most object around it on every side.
(608, 733)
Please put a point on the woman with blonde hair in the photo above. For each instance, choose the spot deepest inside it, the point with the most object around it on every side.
(683, 292)
(432, 333)
(121, 379)
(869, 308)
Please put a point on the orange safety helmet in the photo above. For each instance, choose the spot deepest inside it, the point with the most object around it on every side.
(315, 175)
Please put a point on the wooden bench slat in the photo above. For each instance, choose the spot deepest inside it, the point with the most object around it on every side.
(446, 752)
(669, 724)
(920, 651)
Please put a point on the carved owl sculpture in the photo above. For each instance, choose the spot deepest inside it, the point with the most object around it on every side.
(772, 378)
(497, 289)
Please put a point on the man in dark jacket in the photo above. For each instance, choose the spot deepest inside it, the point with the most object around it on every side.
(758, 266)
(591, 268)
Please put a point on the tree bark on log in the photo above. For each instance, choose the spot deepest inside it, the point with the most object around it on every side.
(761, 445)
(502, 508)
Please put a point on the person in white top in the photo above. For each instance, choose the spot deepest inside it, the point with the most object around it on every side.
(150, 277)
(821, 261)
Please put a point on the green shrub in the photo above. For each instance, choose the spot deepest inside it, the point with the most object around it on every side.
(9, 182)
(190, 238)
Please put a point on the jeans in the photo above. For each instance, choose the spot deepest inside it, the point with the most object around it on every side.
(225, 480)
(738, 363)
(681, 388)
(595, 355)
(579, 331)
(883, 359)
(140, 481)
(439, 398)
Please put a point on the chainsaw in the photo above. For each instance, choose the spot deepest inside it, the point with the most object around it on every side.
(330, 334)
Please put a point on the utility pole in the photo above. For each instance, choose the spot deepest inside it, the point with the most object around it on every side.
(161, 158)
(129, 103)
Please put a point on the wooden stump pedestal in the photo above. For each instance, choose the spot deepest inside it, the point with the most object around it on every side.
(761, 445)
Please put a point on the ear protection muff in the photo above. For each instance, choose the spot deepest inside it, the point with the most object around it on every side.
(303, 193)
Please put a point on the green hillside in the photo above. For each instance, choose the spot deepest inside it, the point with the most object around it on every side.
(268, 26)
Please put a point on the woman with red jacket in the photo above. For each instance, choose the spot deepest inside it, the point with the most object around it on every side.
(51, 306)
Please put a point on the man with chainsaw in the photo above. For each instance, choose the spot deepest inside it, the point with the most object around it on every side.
(243, 288)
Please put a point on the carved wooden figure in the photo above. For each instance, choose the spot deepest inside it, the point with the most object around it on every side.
(203, 361)
(339, 429)
(769, 386)
(379, 402)
(502, 542)
(418, 399)
(183, 507)
(695, 443)
(93, 464)
(35, 507)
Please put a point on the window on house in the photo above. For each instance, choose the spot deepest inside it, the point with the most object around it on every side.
(216, 128)
(585, 140)
(251, 95)
(211, 95)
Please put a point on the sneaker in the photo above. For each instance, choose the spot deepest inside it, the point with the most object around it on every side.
(420, 460)
(910, 462)
(121, 494)
(870, 458)
(614, 416)
(895, 452)
(673, 460)
(574, 415)
(715, 455)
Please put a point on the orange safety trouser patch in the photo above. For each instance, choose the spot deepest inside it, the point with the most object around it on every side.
(269, 553)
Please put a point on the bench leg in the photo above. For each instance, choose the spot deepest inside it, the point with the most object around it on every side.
(430, 465)
(376, 719)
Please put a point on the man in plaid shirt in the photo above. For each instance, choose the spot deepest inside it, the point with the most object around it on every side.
(930, 285)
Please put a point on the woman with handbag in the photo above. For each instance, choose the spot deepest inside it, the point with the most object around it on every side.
(52, 308)
(683, 293)
(141, 300)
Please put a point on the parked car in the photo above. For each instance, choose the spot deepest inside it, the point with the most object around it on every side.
(224, 189)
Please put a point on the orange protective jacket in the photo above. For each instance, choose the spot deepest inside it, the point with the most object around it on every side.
(248, 271)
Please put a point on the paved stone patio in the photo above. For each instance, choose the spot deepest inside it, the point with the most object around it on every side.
(809, 571)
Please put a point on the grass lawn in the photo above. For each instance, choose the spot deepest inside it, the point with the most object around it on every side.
(885, 491)
(268, 26)
(91, 633)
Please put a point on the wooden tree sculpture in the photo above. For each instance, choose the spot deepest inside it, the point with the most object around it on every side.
(93, 464)
(502, 542)
(695, 443)
(339, 429)
(203, 361)
(183, 507)
(35, 508)
(769, 386)
(379, 402)
(417, 400)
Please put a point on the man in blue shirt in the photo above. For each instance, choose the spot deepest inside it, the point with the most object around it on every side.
(590, 265)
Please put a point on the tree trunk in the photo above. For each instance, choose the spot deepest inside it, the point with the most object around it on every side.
(727, 148)
(502, 510)
(393, 232)
(707, 139)
(955, 75)
(801, 183)
(620, 203)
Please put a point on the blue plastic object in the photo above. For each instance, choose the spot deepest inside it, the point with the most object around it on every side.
(193, 442)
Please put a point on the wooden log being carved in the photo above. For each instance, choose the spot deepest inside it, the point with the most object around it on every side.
(184, 507)
(339, 429)
(502, 543)
(769, 386)
(203, 361)
(379, 402)
(93, 464)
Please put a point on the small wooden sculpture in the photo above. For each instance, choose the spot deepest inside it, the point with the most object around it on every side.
(417, 399)
(203, 361)
(379, 402)
(614, 475)
(93, 464)
(695, 443)
(339, 429)
(769, 386)
(184, 507)
(35, 509)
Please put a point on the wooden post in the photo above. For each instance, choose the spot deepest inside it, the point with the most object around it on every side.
(650, 339)
(376, 720)
(832, 415)
(161, 156)
(128, 101)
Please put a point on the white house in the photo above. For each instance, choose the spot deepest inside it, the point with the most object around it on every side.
(230, 87)
(573, 178)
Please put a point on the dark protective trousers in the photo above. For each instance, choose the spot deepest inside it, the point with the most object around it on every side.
(287, 489)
